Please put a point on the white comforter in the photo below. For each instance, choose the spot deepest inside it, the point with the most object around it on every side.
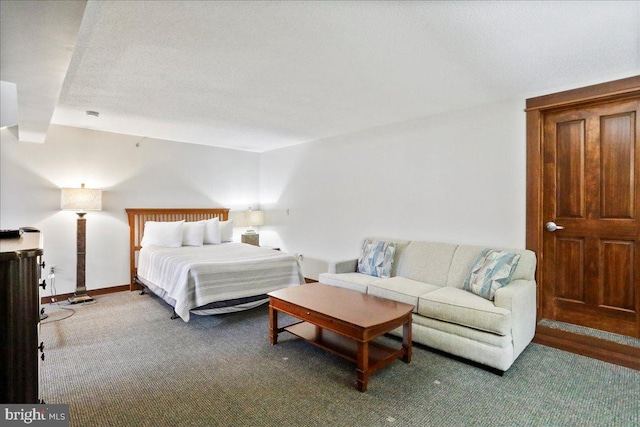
(190, 277)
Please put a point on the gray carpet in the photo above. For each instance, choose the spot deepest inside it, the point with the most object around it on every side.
(122, 362)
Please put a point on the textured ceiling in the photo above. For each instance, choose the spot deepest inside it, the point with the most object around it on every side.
(37, 39)
(262, 75)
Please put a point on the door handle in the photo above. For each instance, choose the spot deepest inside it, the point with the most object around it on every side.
(552, 226)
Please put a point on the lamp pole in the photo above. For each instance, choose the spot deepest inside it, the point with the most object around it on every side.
(81, 242)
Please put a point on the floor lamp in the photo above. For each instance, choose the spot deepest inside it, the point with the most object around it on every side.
(81, 200)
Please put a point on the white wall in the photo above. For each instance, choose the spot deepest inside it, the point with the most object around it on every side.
(155, 174)
(456, 177)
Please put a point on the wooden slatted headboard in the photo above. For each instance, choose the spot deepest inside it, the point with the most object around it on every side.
(138, 216)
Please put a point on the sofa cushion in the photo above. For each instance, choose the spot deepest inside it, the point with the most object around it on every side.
(400, 289)
(355, 281)
(491, 271)
(455, 305)
(376, 258)
(466, 255)
(426, 262)
(455, 330)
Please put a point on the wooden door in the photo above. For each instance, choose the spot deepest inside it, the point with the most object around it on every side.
(591, 187)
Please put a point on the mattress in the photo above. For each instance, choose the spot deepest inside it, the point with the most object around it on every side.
(188, 277)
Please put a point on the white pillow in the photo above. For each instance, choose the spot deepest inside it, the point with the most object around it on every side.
(212, 232)
(193, 233)
(162, 234)
(226, 230)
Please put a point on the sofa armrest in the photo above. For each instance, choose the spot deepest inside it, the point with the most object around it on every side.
(519, 297)
(346, 266)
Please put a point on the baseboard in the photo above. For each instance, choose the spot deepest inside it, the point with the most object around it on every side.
(91, 292)
(596, 348)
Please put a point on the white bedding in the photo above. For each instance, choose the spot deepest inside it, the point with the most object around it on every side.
(188, 277)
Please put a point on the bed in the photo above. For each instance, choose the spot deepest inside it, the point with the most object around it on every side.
(207, 279)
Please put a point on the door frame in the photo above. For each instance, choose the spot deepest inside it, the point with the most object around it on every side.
(536, 108)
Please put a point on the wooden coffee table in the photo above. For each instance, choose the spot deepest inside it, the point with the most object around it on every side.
(344, 322)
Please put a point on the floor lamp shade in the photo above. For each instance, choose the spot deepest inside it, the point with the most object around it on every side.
(81, 200)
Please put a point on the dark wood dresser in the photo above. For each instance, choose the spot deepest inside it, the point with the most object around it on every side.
(20, 349)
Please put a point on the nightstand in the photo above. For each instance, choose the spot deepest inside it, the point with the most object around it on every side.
(251, 238)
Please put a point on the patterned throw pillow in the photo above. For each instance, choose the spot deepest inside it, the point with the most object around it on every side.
(490, 271)
(377, 258)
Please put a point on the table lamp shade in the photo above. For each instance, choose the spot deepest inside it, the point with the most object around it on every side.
(81, 199)
(254, 218)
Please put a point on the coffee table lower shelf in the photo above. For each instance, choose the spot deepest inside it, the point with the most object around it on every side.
(380, 355)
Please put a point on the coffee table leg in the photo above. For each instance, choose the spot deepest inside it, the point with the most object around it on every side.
(363, 366)
(407, 342)
(273, 325)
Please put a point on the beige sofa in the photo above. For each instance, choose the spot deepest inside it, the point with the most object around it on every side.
(430, 276)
